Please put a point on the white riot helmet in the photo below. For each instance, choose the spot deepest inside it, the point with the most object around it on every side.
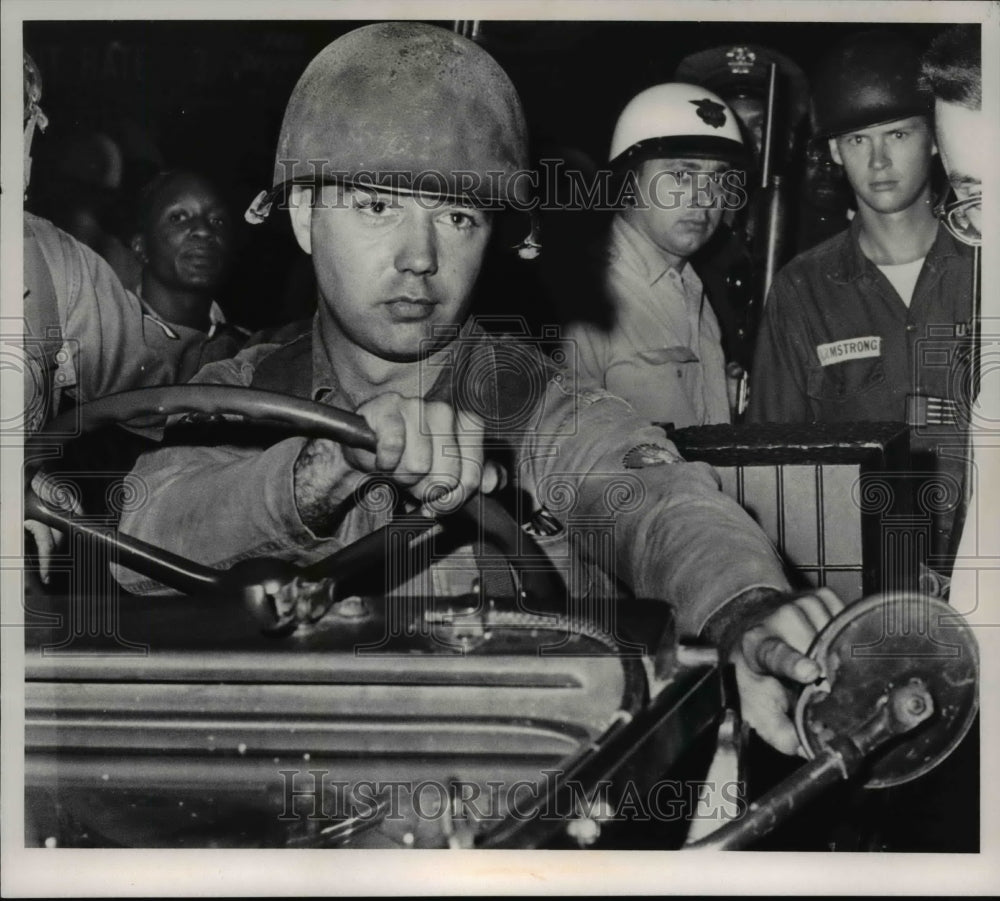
(676, 120)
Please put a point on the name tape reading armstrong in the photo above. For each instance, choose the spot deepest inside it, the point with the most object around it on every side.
(850, 349)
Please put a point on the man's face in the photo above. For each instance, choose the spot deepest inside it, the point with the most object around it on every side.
(961, 137)
(824, 184)
(888, 166)
(679, 204)
(391, 268)
(187, 238)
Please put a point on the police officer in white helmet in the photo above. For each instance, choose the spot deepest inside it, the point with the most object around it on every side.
(678, 157)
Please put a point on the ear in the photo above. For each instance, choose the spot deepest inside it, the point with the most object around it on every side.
(138, 245)
(300, 208)
(835, 152)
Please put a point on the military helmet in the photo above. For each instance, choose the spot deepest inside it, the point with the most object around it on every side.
(868, 79)
(408, 107)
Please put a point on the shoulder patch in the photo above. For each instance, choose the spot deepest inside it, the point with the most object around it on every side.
(649, 455)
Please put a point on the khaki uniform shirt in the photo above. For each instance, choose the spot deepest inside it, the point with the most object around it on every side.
(663, 351)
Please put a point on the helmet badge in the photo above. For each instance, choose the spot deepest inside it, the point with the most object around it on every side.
(741, 60)
(710, 112)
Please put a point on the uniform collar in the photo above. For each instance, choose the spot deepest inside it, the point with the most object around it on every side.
(215, 318)
(631, 245)
(324, 383)
(851, 263)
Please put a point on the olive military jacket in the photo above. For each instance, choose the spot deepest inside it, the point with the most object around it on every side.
(580, 454)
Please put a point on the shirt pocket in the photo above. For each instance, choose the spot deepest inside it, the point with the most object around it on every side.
(679, 362)
(842, 383)
(661, 384)
(657, 356)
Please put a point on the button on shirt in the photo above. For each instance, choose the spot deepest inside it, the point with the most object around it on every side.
(663, 351)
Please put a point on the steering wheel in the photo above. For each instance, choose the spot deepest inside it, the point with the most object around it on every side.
(264, 583)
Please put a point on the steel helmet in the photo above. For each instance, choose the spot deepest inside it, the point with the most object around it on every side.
(409, 107)
(868, 79)
(676, 120)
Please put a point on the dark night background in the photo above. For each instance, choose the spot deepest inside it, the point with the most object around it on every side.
(211, 94)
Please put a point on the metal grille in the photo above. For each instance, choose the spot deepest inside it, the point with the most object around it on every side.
(810, 514)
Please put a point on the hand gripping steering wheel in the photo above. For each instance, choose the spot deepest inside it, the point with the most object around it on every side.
(264, 583)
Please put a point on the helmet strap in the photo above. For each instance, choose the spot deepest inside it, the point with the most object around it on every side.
(259, 208)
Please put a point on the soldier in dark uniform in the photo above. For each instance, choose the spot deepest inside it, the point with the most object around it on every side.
(853, 327)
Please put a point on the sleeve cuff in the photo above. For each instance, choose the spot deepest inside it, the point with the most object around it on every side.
(729, 622)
